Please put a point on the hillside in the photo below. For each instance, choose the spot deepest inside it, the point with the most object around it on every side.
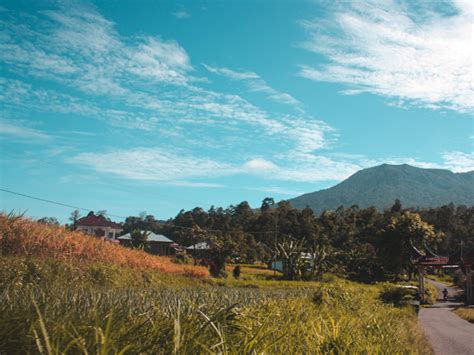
(21, 237)
(381, 185)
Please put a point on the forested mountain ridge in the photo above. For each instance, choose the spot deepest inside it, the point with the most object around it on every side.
(379, 186)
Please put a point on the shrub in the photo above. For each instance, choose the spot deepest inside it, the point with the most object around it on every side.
(398, 295)
(236, 272)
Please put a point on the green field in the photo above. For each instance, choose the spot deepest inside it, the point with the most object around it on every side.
(53, 307)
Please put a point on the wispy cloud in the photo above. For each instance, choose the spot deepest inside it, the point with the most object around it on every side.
(154, 164)
(255, 84)
(459, 161)
(148, 82)
(231, 74)
(181, 14)
(19, 130)
(421, 56)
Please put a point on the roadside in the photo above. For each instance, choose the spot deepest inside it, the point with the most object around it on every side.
(446, 332)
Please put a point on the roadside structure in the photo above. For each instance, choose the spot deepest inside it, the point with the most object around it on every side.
(158, 244)
(199, 251)
(99, 226)
(429, 259)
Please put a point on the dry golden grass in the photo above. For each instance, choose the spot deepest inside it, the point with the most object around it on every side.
(466, 313)
(20, 236)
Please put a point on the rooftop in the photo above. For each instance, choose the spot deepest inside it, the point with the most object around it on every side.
(152, 237)
(91, 220)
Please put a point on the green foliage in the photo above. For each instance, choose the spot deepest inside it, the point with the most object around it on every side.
(140, 239)
(402, 295)
(399, 295)
(400, 236)
(302, 260)
(182, 257)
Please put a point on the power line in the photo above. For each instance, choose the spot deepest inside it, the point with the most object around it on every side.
(122, 217)
(54, 202)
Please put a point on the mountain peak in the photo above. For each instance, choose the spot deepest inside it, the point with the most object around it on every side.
(381, 185)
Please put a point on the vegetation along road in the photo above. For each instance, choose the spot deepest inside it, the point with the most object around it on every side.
(447, 333)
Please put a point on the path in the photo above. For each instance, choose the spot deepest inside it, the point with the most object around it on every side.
(446, 332)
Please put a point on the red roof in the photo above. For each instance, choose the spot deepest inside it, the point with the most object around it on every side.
(91, 220)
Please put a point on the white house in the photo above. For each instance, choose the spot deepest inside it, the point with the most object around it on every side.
(99, 226)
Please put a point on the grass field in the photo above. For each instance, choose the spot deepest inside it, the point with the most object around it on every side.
(54, 305)
(466, 313)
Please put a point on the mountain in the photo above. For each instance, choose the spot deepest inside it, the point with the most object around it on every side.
(379, 186)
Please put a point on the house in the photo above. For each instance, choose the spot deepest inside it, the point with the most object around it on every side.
(158, 244)
(98, 226)
(199, 250)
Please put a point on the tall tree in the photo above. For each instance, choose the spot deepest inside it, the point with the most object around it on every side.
(400, 235)
(74, 217)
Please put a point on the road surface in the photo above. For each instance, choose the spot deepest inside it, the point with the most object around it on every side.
(446, 332)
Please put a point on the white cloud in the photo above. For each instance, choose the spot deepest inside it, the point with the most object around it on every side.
(181, 14)
(260, 165)
(255, 84)
(160, 60)
(154, 164)
(459, 161)
(146, 81)
(18, 130)
(231, 74)
(420, 56)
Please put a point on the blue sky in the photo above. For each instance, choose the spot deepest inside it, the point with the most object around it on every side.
(156, 106)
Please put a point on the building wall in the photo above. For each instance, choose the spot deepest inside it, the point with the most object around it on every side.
(108, 232)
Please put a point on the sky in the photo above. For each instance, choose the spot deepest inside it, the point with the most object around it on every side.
(159, 106)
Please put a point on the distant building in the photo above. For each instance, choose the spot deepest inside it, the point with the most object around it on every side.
(158, 244)
(98, 226)
(199, 250)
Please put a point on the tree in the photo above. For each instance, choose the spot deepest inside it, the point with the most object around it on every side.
(140, 239)
(400, 235)
(74, 217)
(102, 213)
(49, 220)
(266, 204)
(222, 248)
(289, 251)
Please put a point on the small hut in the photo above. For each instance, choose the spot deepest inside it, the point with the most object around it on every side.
(158, 244)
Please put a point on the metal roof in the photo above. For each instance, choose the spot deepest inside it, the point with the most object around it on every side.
(152, 237)
(199, 246)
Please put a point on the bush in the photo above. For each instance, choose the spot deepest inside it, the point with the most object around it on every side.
(183, 258)
(399, 295)
(236, 272)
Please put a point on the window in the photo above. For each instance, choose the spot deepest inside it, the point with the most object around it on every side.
(111, 235)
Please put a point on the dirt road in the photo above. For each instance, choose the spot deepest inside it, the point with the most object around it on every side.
(446, 332)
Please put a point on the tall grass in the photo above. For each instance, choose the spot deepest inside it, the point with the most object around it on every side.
(22, 237)
(63, 292)
(54, 315)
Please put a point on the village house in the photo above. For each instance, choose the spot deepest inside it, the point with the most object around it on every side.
(158, 244)
(99, 226)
